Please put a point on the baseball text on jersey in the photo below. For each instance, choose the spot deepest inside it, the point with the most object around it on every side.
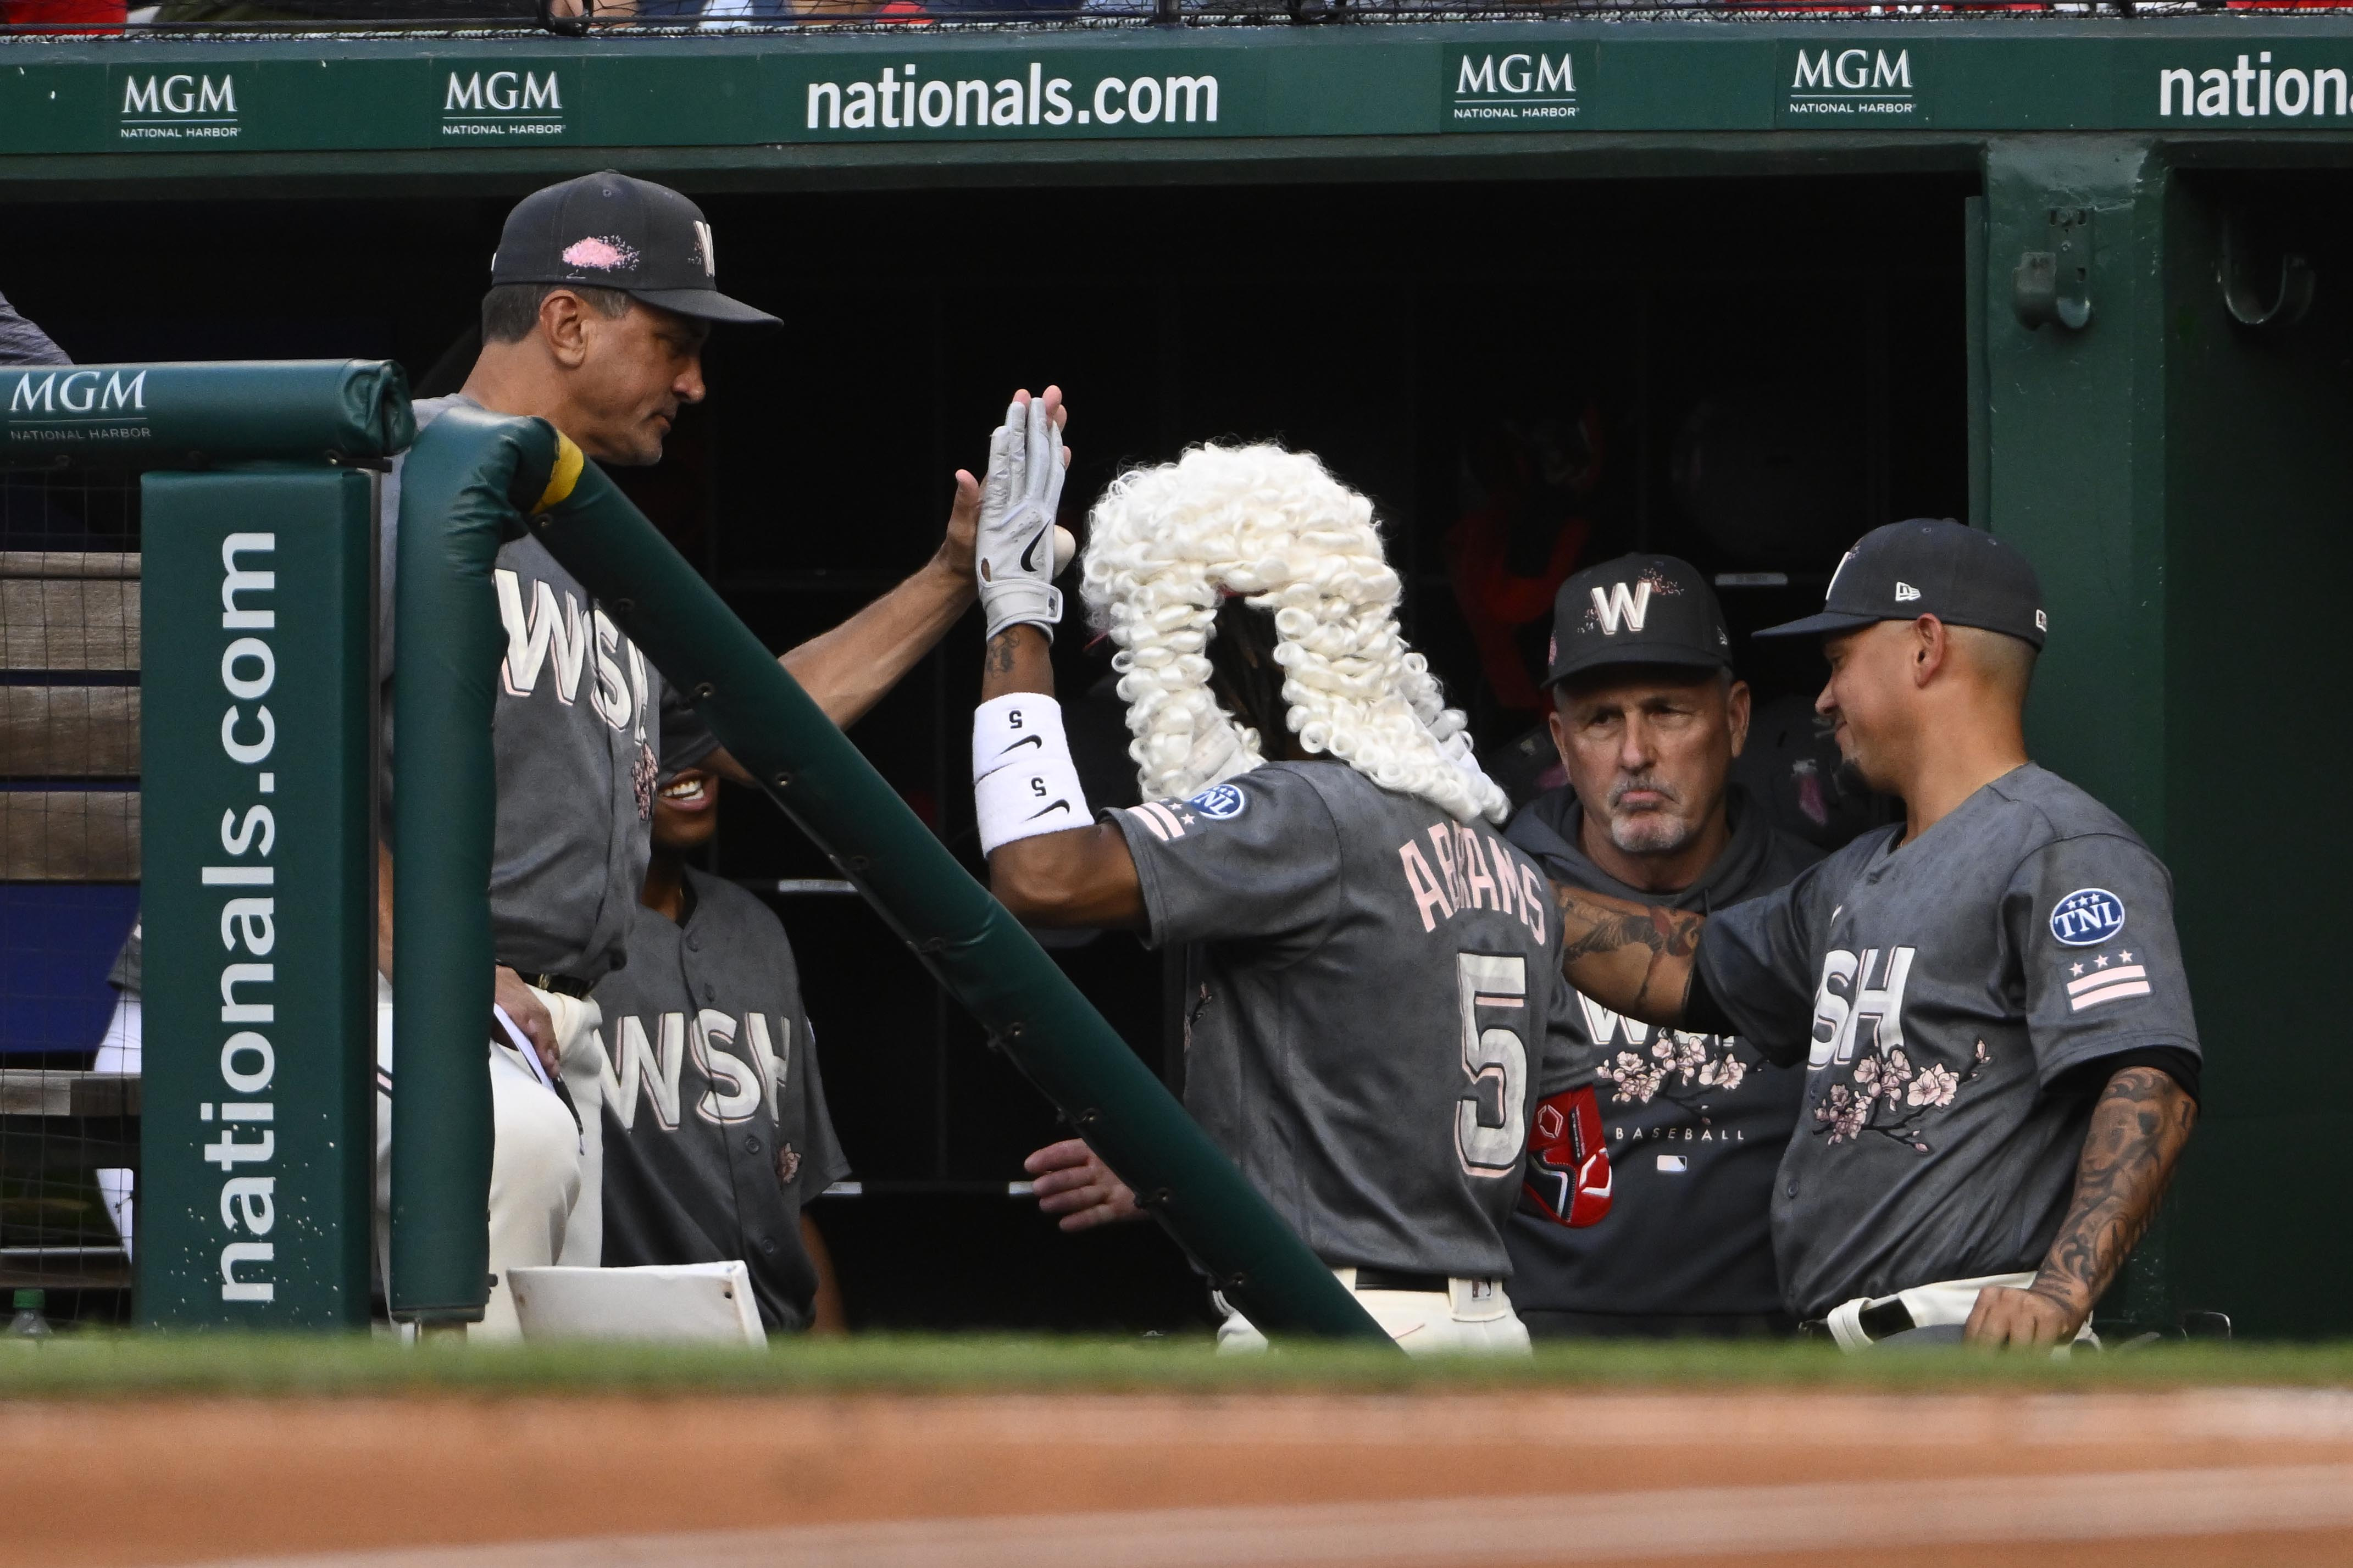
(1449, 869)
(1856, 992)
(542, 639)
(1466, 870)
(643, 1063)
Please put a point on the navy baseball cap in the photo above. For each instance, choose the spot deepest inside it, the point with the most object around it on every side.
(607, 230)
(1636, 610)
(1929, 566)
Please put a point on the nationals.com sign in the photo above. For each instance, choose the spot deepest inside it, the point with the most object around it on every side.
(907, 98)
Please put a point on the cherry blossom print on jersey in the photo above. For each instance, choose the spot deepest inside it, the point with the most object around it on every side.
(1888, 1095)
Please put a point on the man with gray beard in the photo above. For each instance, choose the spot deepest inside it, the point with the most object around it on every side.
(1676, 1138)
(2001, 1059)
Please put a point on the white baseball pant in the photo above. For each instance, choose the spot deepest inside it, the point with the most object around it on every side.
(119, 1051)
(542, 1177)
(1472, 1317)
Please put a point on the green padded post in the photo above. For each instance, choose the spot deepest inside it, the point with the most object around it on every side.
(462, 490)
(195, 416)
(965, 937)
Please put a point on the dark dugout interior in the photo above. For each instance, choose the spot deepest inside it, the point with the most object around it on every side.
(1524, 376)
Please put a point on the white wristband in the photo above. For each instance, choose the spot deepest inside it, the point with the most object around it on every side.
(1023, 781)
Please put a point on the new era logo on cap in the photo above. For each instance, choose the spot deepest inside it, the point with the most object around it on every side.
(1929, 566)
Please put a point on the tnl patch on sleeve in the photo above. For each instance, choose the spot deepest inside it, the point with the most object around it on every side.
(2087, 917)
(1221, 803)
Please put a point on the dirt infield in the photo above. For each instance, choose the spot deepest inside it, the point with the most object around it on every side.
(1754, 1478)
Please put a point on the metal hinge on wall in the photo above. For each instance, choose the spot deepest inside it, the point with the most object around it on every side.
(2053, 287)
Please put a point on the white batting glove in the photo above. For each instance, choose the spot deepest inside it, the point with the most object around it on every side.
(1016, 547)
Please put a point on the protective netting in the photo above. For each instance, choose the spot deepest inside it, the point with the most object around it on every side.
(68, 886)
(672, 18)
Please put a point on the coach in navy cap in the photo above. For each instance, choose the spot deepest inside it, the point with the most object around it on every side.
(603, 291)
(1661, 1162)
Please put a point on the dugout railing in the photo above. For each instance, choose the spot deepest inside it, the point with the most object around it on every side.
(474, 481)
(255, 848)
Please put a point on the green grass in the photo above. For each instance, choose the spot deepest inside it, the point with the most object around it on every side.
(120, 1366)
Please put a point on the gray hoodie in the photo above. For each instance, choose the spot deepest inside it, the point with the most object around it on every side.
(1695, 1123)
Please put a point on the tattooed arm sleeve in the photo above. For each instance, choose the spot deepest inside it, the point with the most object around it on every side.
(1634, 959)
(2138, 1128)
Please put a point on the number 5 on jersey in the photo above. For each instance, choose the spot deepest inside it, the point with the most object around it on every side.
(1491, 1120)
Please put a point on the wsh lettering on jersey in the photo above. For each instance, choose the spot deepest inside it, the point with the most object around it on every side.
(542, 639)
(1856, 992)
(646, 1065)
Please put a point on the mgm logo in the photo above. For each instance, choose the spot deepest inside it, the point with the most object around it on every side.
(502, 103)
(181, 106)
(1852, 81)
(1538, 87)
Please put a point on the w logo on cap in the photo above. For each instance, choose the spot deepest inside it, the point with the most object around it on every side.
(706, 248)
(1622, 604)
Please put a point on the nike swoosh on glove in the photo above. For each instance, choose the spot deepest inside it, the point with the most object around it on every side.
(1017, 548)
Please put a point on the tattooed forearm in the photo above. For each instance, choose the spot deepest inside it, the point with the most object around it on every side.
(2138, 1128)
(1663, 932)
(1631, 958)
(1000, 653)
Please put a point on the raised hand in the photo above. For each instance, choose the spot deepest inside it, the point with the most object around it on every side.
(1018, 548)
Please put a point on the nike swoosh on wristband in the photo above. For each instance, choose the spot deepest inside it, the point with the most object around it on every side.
(1024, 740)
(1058, 806)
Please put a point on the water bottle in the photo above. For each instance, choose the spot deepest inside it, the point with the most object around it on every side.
(29, 1323)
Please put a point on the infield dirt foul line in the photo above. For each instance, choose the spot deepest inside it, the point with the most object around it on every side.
(1718, 1521)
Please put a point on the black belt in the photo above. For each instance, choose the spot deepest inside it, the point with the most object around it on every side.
(1394, 1279)
(562, 985)
(1889, 1318)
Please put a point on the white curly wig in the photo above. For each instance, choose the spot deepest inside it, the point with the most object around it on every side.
(1166, 544)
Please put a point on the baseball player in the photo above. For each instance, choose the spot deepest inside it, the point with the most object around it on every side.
(1372, 991)
(122, 1050)
(1677, 1138)
(715, 1130)
(603, 291)
(2002, 1064)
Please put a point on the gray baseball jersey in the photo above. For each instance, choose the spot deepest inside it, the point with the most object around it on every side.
(1695, 1123)
(1940, 989)
(581, 725)
(715, 1126)
(1373, 999)
(23, 342)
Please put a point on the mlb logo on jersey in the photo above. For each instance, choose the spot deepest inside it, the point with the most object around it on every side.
(2087, 917)
(1218, 801)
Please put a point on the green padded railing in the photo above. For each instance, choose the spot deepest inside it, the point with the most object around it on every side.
(469, 482)
(197, 416)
